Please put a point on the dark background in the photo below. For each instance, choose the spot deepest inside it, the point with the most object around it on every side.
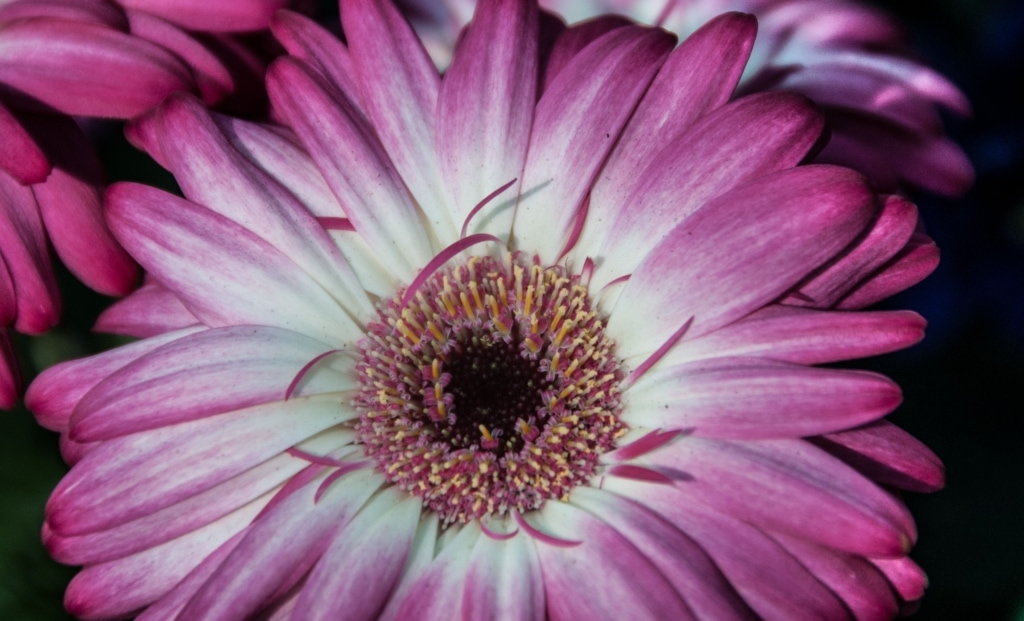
(964, 386)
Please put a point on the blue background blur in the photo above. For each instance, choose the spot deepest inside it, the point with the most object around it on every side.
(964, 386)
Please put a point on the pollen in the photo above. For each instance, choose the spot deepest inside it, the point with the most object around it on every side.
(493, 389)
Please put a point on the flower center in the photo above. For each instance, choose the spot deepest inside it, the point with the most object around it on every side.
(493, 389)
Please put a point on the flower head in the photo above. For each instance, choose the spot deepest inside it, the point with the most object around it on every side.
(881, 104)
(535, 337)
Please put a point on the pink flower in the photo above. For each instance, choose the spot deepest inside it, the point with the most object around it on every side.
(93, 58)
(881, 105)
(523, 340)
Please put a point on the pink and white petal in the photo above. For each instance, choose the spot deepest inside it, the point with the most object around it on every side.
(214, 371)
(425, 544)
(436, 590)
(26, 252)
(211, 172)
(20, 156)
(70, 202)
(201, 15)
(124, 586)
(280, 548)
(788, 486)
(905, 576)
(577, 121)
(188, 247)
(357, 572)
(679, 557)
(886, 237)
(308, 41)
(568, 42)
(803, 336)
(10, 375)
(861, 586)
(100, 12)
(743, 140)
(738, 253)
(148, 311)
(181, 461)
(213, 79)
(776, 586)
(73, 452)
(504, 577)
(685, 89)
(168, 606)
(485, 111)
(753, 398)
(399, 89)
(53, 395)
(580, 581)
(87, 69)
(142, 133)
(365, 183)
(885, 453)
(278, 152)
(205, 507)
(918, 259)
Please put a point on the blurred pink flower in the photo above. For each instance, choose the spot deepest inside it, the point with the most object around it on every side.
(537, 336)
(881, 104)
(93, 58)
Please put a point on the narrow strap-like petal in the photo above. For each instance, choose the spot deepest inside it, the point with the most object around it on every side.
(20, 156)
(27, 254)
(220, 16)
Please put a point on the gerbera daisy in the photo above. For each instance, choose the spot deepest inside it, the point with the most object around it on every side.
(522, 341)
(880, 102)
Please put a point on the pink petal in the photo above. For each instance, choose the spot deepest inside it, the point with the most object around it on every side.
(582, 582)
(787, 486)
(743, 140)
(20, 156)
(309, 41)
(504, 576)
(776, 586)
(54, 394)
(10, 375)
(212, 77)
(71, 205)
(568, 42)
(365, 182)
(435, 590)
(264, 563)
(150, 310)
(904, 575)
(133, 476)
(8, 297)
(887, 236)
(211, 172)
(577, 122)
(93, 71)
(126, 538)
(739, 252)
(94, 11)
(681, 559)
(747, 398)
(697, 78)
(73, 452)
(25, 250)
(220, 16)
(214, 371)
(805, 336)
(125, 585)
(485, 108)
(854, 579)
(178, 242)
(887, 454)
(357, 572)
(399, 86)
(918, 259)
